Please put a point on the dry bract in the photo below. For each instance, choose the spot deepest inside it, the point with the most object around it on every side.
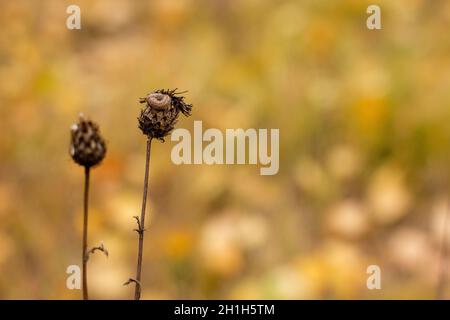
(87, 147)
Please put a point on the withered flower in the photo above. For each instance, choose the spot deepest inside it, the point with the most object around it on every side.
(162, 108)
(87, 147)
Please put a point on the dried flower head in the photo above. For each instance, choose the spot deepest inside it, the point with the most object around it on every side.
(161, 111)
(87, 147)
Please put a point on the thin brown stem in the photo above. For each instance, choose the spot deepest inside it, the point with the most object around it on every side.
(85, 231)
(443, 256)
(141, 224)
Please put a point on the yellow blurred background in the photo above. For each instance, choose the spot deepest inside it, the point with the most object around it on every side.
(364, 137)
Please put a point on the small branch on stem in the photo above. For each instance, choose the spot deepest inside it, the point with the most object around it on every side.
(87, 148)
(140, 228)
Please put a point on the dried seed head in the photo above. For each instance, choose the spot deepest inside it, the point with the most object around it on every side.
(87, 147)
(162, 108)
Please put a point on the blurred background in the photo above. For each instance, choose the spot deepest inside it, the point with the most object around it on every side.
(364, 137)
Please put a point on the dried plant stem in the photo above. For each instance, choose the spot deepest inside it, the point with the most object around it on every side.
(443, 256)
(85, 231)
(141, 223)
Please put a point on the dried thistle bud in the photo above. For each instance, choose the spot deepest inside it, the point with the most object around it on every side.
(161, 111)
(87, 147)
